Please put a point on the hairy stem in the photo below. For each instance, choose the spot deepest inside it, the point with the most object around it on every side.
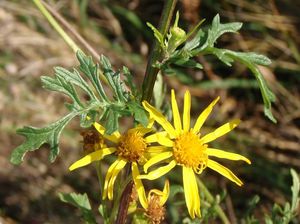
(156, 53)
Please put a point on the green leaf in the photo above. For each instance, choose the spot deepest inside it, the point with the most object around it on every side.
(129, 82)
(113, 79)
(295, 190)
(80, 201)
(219, 29)
(190, 63)
(110, 120)
(157, 35)
(195, 42)
(138, 112)
(76, 79)
(159, 91)
(250, 60)
(35, 137)
(92, 72)
(59, 84)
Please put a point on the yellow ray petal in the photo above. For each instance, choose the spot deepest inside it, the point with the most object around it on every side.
(159, 118)
(94, 156)
(226, 155)
(139, 185)
(150, 122)
(191, 193)
(224, 129)
(159, 172)
(161, 138)
(166, 192)
(224, 171)
(203, 116)
(142, 130)
(186, 111)
(156, 159)
(157, 149)
(120, 165)
(176, 115)
(108, 177)
(153, 137)
(163, 194)
(114, 137)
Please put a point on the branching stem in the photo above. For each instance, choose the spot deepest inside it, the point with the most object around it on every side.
(156, 53)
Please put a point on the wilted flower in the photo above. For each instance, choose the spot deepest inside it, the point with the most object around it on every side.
(154, 203)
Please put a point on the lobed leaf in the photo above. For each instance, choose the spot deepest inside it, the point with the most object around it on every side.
(91, 70)
(217, 29)
(36, 137)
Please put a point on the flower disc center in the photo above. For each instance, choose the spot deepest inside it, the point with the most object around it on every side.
(131, 146)
(190, 152)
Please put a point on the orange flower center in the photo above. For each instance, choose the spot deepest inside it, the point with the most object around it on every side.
(131, 146)
(190, 152)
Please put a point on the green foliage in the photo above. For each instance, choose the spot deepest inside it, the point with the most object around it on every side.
(98, 106)
(285, 215)
(203, 43)
(80, 201)
(35, 137)
(279, 215)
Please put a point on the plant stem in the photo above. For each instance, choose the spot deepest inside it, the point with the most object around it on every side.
(67, 25)
(156, 52)
(125, 198)
(55, 25)
(124, 204)
(211, 200)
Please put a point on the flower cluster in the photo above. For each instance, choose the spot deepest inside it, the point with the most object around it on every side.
(177, 145)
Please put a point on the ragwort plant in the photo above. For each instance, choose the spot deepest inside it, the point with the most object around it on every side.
(134, 151)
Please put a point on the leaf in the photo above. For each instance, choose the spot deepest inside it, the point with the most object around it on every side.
(35, 137)
(219, 29)
(189, 63)
(59, 84)
(80, 201)
(295, 190)
(129, 82)
(76, 79)
(92, 72)
(159, 91)
(157, 35)
(113, 79)
(110, 120)
(138, 112)
(195, 42)
(250, 60)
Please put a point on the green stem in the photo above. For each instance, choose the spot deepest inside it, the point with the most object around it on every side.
(56, 26)
(156, 52)
(211, 200)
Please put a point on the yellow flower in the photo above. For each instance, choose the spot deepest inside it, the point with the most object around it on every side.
(154, 203)
(185, 146)
(131, 147)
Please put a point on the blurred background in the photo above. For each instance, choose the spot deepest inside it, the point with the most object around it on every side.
(30, 48)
